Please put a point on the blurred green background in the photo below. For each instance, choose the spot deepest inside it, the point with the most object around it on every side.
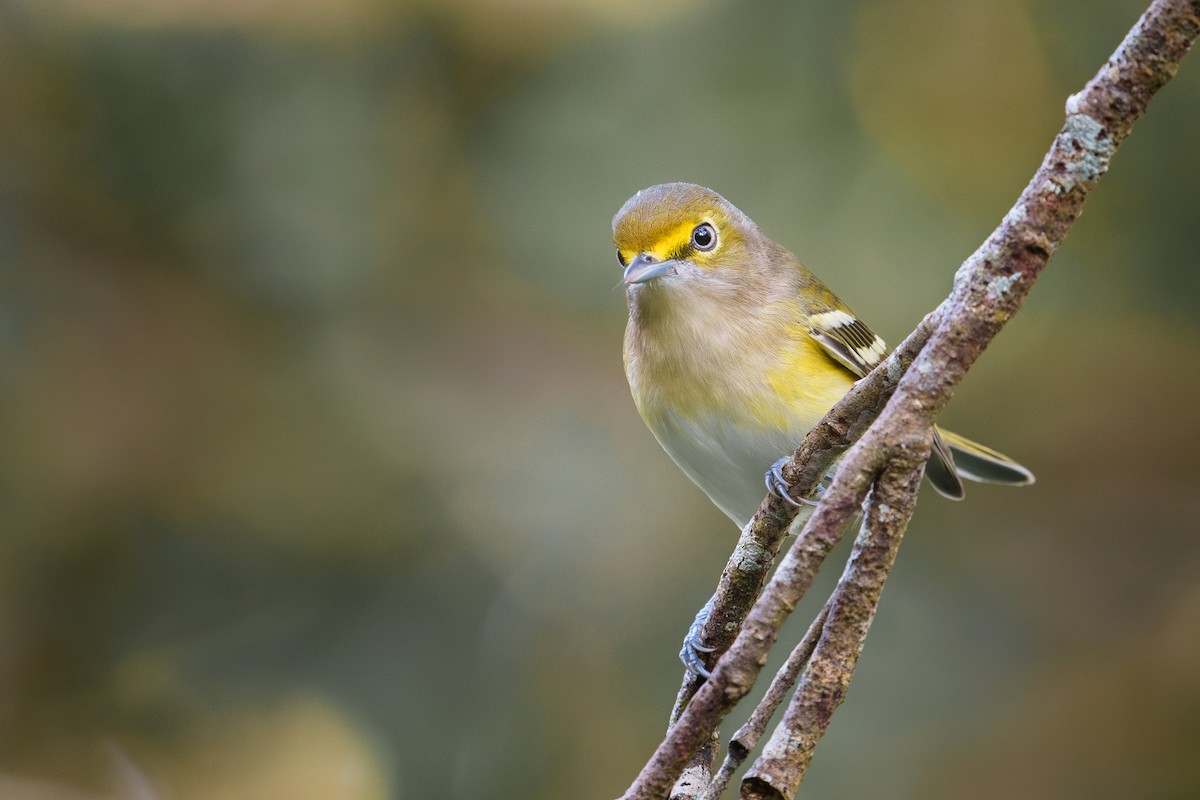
(320, 478)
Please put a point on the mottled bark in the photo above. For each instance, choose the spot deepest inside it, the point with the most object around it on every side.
(746, 738)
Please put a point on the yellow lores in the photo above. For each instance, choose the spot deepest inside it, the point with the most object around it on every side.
(734, 350)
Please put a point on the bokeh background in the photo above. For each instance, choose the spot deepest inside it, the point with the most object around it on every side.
(319, 477)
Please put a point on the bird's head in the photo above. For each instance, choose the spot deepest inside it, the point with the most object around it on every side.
(685, 235)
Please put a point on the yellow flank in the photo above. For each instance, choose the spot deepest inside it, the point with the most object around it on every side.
(804, 379)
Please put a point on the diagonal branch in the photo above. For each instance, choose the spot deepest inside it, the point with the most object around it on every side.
(989, 288)
(778, 771)
(746, 738)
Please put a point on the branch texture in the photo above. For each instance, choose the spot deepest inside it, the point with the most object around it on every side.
(778, 772)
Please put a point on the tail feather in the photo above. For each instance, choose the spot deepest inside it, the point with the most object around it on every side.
(955, 457)
(979, 463)
(940, 470)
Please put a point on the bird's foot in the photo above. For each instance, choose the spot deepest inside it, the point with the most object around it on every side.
(694, 649)
(778, 487)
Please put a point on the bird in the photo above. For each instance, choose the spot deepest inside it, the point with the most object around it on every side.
(734, 350)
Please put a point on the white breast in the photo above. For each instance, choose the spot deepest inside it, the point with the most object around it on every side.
(726, 461)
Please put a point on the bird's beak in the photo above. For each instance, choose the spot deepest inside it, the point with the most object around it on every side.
(646, 268)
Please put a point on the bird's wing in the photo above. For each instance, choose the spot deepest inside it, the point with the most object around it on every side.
(854, 346)
(847, 339)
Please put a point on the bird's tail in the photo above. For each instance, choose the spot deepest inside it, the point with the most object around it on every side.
(955, 457)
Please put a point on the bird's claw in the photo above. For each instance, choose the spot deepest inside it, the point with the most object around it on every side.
(694, 650)
(778, 487)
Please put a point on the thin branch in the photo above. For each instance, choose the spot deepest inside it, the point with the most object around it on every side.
(737, 670)
(989, 288)
(746, 738)
(777, 773)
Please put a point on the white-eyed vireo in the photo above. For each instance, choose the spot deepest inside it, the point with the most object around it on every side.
(734, 350)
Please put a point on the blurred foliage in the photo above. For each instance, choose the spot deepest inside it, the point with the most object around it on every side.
(320, 478)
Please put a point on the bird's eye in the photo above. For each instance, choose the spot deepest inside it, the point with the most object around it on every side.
(704, 237)
(621, 258)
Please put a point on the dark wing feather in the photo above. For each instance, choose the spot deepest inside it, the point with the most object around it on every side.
(848, 340)
(853, 345)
